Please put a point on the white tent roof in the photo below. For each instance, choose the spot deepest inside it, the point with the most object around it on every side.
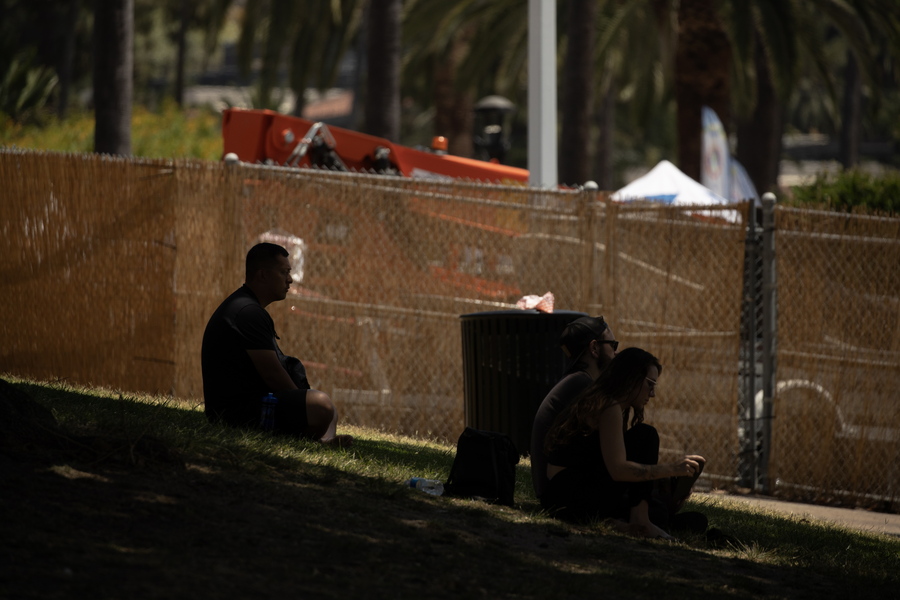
(667, 184)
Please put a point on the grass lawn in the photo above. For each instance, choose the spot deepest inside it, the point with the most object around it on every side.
(129, 496)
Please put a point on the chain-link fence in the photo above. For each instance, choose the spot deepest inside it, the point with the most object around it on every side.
(673, 285)
(88, 252)
(112, 268)
(836, 426)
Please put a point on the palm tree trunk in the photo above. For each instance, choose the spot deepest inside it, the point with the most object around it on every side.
(382, 105)
(65, 61)
(759, 135)
(280, 15)
(851, 114)
(184, 17)
(575, 145)
(454, 115)
(113, 75)
(702, 77)
(606, 118)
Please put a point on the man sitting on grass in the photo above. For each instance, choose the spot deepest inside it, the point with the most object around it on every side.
(242, 363)
(589, 345)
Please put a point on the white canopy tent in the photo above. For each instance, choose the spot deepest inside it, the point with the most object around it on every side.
(666, 183)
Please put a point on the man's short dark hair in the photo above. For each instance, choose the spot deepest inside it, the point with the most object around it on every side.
(577, 336)
(262, 256)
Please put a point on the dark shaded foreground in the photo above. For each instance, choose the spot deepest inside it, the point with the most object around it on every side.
(98, 517)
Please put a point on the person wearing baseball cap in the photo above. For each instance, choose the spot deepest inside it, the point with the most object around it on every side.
(589, 345)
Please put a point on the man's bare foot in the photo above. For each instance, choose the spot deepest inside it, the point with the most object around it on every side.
(339, 441)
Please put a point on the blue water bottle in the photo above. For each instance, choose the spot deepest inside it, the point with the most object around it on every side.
(267, 417)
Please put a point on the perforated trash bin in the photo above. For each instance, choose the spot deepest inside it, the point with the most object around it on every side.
(511, 359)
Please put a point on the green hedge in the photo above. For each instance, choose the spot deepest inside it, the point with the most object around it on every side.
(169, 132)
(851, 191)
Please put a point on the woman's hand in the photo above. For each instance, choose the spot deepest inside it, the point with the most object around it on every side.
(688, 466)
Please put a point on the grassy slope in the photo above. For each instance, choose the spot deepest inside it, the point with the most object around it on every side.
(218, 513)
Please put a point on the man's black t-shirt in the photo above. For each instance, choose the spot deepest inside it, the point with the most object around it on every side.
(561, 396)
(232, 388)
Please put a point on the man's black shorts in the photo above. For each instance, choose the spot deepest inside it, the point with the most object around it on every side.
(290, 413)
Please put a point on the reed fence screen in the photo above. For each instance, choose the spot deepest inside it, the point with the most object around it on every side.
(112, 267)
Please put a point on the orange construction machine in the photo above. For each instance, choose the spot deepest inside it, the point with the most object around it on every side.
(265, 136)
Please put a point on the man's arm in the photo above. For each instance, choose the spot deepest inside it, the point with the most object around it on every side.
(271, 371)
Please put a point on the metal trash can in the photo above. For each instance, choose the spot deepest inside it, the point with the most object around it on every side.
(511, 359)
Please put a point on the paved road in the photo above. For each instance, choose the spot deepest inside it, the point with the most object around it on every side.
(865, 520)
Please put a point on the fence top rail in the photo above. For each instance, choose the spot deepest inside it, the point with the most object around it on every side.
(309, 172)
(167, 163)
(597, 200)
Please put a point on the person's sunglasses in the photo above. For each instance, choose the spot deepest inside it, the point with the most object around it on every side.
(613, 343)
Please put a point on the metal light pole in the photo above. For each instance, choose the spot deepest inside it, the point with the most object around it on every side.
(542, 165)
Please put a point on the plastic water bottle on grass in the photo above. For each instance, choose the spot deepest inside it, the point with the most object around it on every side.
(267, 416)
(429, 486)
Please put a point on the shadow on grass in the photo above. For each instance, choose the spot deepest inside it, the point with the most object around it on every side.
(417, 458)
(239, 521)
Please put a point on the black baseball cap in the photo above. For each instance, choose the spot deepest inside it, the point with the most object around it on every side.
(578, 335)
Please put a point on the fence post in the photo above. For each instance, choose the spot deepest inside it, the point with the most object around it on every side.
(609, 282)
(586, 210)
(747, 461)
(769, 334)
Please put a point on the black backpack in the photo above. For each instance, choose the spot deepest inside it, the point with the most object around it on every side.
(484, 467)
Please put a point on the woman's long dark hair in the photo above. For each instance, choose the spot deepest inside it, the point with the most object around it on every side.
(618, 383)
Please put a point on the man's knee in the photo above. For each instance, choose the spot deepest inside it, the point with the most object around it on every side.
(320, 410)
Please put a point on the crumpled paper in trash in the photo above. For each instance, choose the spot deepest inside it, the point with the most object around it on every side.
(542, 303)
